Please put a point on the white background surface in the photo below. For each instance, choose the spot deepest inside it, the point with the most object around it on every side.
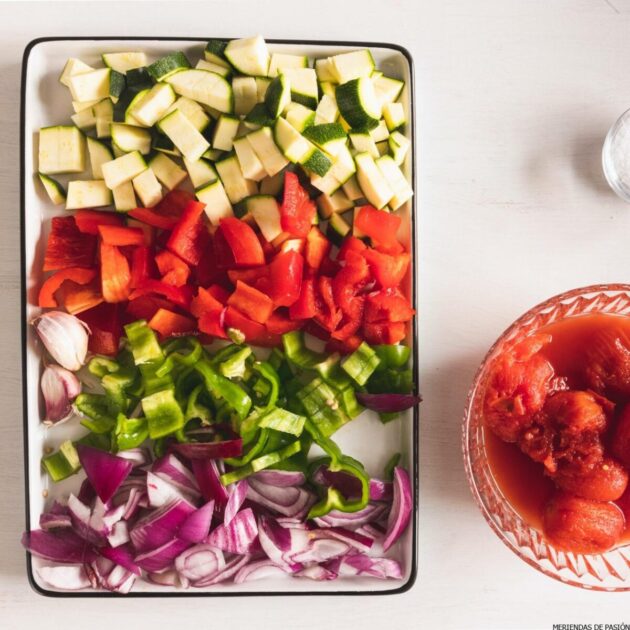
(513, 100)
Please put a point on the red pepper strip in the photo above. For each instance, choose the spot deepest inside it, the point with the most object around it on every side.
(348, 281)
(88, 220)
(254, 332)
(379, 332)
(279, 323)
(219, 293)
(350, 244)
(393, 249)
(381, 226)
(145, 307)
(148, 230)
(203, 302)
(317, 248)
(177, 295)
(115, 274)
(121, 236)
(328, 315)
(387, 305)
(285, 275)
(241, 241)
(50, 286)
(67, 246)
(189, 236)
(251, 302)
(207, 271)
(151, 217)
(313, 328)
(77, 299)
(170, 324)
(305, 307)
(345, 346)
(268, 249)
(388, 271)
(174, 203)
(297, 210)
(172, 268)
(352, 321)
(105, 328)
(212, 323)
(250, 276)
(140, 266)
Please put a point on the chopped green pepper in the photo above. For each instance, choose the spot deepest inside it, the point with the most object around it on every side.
(234, 367)
(392, 356)
(163, 413)
(297, 352)
(321, 405)
(143, 342)
(361, 363)
(222, 388)
(269, 374)
(130, 432)
(97, 412)
(194, 409)
(63, 463)
(282, 420)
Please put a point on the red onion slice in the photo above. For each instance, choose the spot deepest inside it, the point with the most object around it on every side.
(280, 478)
(231, 568)
(123, 556)
(388, 403)
(402, 505)
(317, 572)
(65, 577)
(199, 562)
(238, 493)
(163, 557)
(160, 526)
(171, 469)
(105, 471)
(259, 570)
(209, 450)
(63, 546)
(237, 537)
(196, 527)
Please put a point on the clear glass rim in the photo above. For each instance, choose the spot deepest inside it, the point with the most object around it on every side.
(507, 334)
(608, 166)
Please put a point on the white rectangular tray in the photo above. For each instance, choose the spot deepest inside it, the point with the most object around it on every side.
(46, 102)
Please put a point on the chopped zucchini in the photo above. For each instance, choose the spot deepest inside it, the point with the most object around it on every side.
(148, 188)
(394, 115)
(358, 104)
(90, 86)
(299, 117)
(124, 61)
(331, 204)
(123, 169)
(61, 150)
(99, 153)
(266, 213)
(278, 96)
(210, 66)
(154, 104)
(218, 205)
(215, 53)
(168, 65)
(353, 65)
(249, 56)
(168, 172)
(280, 62)
(303, 82)
(200, 172)
(259, 117)
(352, 189)
(104, 114)
(236, 185)
(192, 110)
(79, 106)
(207, 88)
(329, 137)
(84, 119)
(53, 188)
(73, 66)
(363, 143)
(387, 90)
(262, 83)
(396, 180)
(327, 110)
(337, 229)
(127, 116)
(324, 70)
(225, 132)
(245, 94)
(131, 138)
(398, 146)
(374, 186)
(380, 133)
(88, 194)
(164, 145)
(293, 145)
(267, 151)
(124, 197)
(184, 135)
(117, 84)
(251, 166)
(272, 185)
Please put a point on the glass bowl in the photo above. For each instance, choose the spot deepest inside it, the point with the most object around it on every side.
(609, 571)
(616, 156)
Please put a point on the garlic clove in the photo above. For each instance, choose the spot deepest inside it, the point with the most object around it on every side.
(60, 387)
(65, 337)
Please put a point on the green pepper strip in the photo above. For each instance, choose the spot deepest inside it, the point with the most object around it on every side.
(255, 449)
(283, 421)
(130, 432)
(144, 344)
(97, 411)
(391, 381)
(163, 413)
(234, 366)
(174, 357)
(194, 409)
(297, 352)
(361, 363)
(63, 463)
(220, 387)
(392, 356)
(269, 374)
(322, 406)
(339, 462)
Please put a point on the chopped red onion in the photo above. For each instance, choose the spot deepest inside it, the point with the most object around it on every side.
(171, 469)
(352, 538)
(289, 501)
(50, 521)
(237, 537)
(275, 541)
(70, 577)
(160, 559)
(258, 570)
(388, 403)
(165, 578)
(320, 550)
(400, 513)
(210, 450)
(280, 478)
(360, 564)
(137, 456)
(200, 562)
(208, 478)
(119, 580)
(160, 491)
(123, 556)
(196, 527)
(317, 572)
(237, 493)
(347, 484)
(62, 546)
(335, 518)
(105, 471)
(86, 524)
(119, 534)
(232, 567)
(381, 490)
(159, 526)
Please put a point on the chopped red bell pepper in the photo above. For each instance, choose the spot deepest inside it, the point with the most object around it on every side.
(285, 278)
(145, 307)
(350, 278)
(177, 295)
(350, 244)
(78, 275)
(174, 203)
(279, 323)
(190, 236)
(388, 271)
(115, 274)
(204, 301)
(219, 293)
(297, 210)
(317, 248)
(242, 243)
(268, 249)
(379, 332)
(393, 248)
(67, 246)
(140, 266)
(78, 298)
(237, 320)
(88, 220)
(208, 271)
(305, 307)
(387, 305)
(213, 322)
(352, 321)
(153, 218)
(381, 226)
(105, 328)
(327, 314)
(172, 268)
(313, 328)
(171, 324)
(251, 276)
(121, 236)
(256, 305)
(344, 347)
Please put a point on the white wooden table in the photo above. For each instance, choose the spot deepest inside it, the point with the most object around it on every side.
(513, 100)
